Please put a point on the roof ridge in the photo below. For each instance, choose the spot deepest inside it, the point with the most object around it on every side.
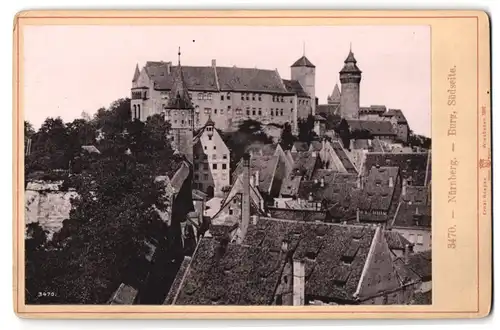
(367, 261)
(186, 273)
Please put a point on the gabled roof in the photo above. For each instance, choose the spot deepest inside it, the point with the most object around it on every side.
(416, 195)
(265, 165)
(395, 240)
(290, 186)
(374, 127)
(261, 149)
(421, 264)
(412, 166)
(208, 78)
(413, 216)
(400, 117)
(341, 154)
(304, 163)
(303, 61)
(124, 295)
(294, 86)
(377, 191)
(230, 274)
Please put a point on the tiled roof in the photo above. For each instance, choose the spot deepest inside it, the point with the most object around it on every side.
(411, 165)
(229, 275)
(422, 298)
(329, 109)
(205, 78)
(316, 146)
(377, 192)
(400, 117)
(91, 149)
(374, 127)
(266, 165)
(300, 146)
(380, 109)
(136, 73)
(346, 162)
(261, 149)
(290, 186)
(293, 86)
(395, 240)
(177, 282)
(413, 216)
(303, 61)
(180, 176)
(304, 164)
(298, 214)
(350, 64)
(335, 96)
(124, 295)
(416, 195)
(421, 264)
(334, 255)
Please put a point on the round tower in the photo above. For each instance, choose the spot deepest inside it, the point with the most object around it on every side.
(350, 77)
(305, 73)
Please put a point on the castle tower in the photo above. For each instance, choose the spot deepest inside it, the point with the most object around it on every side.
(350, 77)
(180, 112)
(305, 73)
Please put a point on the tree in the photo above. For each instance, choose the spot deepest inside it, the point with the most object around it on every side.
(287, 138)
(306, 129)
(103, 243)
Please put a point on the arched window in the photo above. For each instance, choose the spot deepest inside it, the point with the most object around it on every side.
(135, 112)
(138, 111)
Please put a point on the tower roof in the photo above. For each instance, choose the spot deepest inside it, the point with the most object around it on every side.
(209, 122)
(335, 97)
(350, 64)
(136, 73)
(303, 61)
(179, 95)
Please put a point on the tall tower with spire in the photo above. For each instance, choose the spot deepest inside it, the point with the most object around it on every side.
(350, 77)
(180, 111)
(305, 73)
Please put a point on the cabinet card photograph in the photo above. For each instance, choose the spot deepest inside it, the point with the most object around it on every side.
(254, 164)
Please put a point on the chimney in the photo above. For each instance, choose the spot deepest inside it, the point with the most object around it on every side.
(406, 254)
(322, 182)
(214, 63)
(245, 202)
(391, 182)
(403, 190)
(169, 67)
(298, 283)
(256, 183)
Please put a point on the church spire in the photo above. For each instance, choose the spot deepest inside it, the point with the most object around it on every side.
(179, 95)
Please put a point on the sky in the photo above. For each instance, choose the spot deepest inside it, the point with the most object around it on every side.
(70, 69)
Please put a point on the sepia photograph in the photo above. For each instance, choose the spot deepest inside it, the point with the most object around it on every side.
(227, 165)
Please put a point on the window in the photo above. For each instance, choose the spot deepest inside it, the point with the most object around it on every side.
(200, 96)
(196, 166)
(224, 156)
(214, 156)
(248, 112)
(210, 137)
(228, 108)
(221, 111)
(182, 122)
(242, 97)
(260, 97)
(274, 98)
(291, 110)
(208, 110)
(420, 239)
(209, 96)
(215, 111)
(138, 111)
(247, 97)
(253, 97)
(272, 113)
(411, 238)
(281, 113)
(228, 96)
(291, 100)
(260, 112)
(215, 147)
(205, 166)
(175, 121)
(205, 177)
(222, 97)
(205, 147)
(282, 99)
(224, 166)
(196, 177)
(230, 211)
(253, 111)
(214, 166)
